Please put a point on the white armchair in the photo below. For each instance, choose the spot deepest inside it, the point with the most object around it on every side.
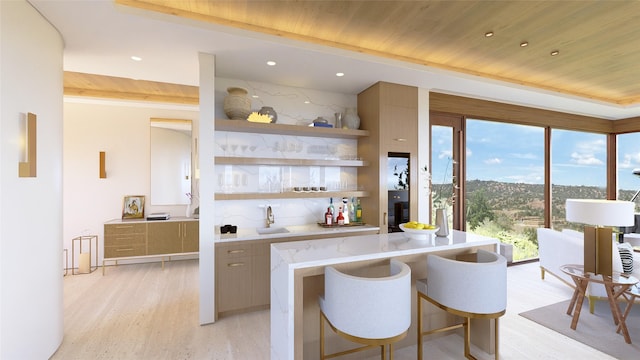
(467, 289)
(373, 311)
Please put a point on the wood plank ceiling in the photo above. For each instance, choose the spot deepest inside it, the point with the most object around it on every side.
(100, 86)
(598, 41)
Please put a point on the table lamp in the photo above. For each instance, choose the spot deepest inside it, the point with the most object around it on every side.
(598, 240)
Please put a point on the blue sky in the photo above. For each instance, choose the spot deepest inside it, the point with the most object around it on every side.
(515, 153)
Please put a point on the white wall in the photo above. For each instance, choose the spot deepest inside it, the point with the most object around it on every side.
(122, 131)
(31, 325)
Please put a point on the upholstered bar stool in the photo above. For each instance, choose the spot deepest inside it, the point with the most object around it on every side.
(371, 311)
(469, 289)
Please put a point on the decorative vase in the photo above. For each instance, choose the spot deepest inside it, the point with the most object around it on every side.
(237, 105)
(442, 222)
(268, 110)
(188, 212)
(350, 120)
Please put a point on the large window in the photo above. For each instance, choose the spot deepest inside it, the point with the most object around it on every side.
(628, 163)
(578, 171)
(504, 188)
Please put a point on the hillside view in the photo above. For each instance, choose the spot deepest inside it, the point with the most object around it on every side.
(511, 212)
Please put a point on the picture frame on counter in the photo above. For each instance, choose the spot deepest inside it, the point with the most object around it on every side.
(133, 207)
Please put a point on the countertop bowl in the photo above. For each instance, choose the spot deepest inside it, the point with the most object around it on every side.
(422, 234)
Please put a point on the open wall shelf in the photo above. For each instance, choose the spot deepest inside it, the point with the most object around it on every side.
(283, 129)
(290, 195)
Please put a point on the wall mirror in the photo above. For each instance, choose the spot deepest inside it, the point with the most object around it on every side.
(170, 142)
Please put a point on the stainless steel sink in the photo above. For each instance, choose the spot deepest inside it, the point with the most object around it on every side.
(272, 230)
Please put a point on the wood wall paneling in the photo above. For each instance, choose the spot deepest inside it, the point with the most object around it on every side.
(496, 111)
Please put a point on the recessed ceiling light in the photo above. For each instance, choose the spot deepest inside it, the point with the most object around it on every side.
(524, 44)
(255, 96)
(307, 102)
(339, 74)
(136, 58)
(271, 63)
(555, 52)
(488, 34)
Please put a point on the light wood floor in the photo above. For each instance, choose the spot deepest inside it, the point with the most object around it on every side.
(142, 312)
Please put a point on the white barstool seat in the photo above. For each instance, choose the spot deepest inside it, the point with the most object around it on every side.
(373, 311)
(468, 289)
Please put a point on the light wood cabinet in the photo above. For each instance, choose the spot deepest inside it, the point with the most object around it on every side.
(190, 236)
(125, 239)
(390, 113)
(148, 238)
(164, 238)
(261, 292)
(234, 276)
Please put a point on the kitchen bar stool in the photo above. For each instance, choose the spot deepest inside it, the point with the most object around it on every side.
(372, 311)
(469, 289)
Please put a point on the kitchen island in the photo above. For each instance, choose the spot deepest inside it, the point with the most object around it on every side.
(242, 276)
(297, 278)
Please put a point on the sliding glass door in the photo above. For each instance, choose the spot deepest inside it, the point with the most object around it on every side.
(447, 137)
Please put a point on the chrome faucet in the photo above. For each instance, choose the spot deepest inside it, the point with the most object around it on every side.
(270, 219)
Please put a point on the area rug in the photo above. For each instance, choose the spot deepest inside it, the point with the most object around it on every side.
(596, 330)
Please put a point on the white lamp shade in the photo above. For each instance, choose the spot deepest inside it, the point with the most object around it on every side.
(600, 212)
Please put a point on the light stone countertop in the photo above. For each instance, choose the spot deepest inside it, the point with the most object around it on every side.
(245, 234)
(301, 254)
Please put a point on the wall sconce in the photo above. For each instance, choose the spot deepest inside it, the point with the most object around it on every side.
(27, 168)
(103, 171)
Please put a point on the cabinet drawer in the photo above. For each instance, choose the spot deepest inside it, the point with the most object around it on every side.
(124, 250)
(119, 240)
(232, 251)
(123, 229)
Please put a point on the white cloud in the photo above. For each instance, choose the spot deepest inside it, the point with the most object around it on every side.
(493, 161)
(585, 159)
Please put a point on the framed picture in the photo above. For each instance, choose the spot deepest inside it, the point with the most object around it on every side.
(133, 207)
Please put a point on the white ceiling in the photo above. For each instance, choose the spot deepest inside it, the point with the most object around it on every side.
(100, 37)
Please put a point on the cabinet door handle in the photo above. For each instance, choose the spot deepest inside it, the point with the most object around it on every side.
(235, 264)
(240, 251)
(384, 218)
(127, 249)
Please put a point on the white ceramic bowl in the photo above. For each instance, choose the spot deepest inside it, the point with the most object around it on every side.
(416, 234)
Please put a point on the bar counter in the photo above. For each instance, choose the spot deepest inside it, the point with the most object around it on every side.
(297, 278)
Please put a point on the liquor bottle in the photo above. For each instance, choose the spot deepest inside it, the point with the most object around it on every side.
(345, 210)
(358, 212)
(340, 217)
(333, 211)
(352, 209)
(328, 217)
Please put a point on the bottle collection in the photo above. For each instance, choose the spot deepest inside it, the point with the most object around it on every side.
(349, 212)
